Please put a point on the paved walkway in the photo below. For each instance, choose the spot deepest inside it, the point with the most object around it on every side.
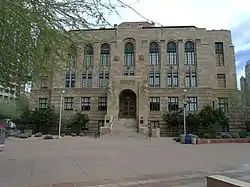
(131, 161)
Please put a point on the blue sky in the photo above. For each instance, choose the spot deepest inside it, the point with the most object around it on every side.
(212, 14)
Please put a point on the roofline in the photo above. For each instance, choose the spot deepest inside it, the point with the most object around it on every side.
(165, 27)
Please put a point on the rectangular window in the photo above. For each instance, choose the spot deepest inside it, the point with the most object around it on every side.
(219, 53)
(173, 104)
(43, 102)
(189, 58)
(102, 103)
(103, 80)
(190, 79)
(129, 59)
(129, 73)
(172, 79)
(223, 104)
(105, 59)
(221, 78)
(87, 80)
(44, 82)
(86, 103)
(172, 58)
(154, 79)
(70, 80)
(155, 124)
(68, 103)
(88, 60)
(101, 123)
(153, 58)
(71, 61)
(154, 103)
(191, 104)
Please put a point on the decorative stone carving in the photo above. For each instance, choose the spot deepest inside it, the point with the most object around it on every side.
(141, 57)
(112, 94)
(144, 87)
(129, 82)
(116, 58)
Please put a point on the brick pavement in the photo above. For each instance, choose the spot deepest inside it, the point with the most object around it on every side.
(112, 162)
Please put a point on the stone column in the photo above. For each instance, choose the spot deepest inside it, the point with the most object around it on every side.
(181, 65)
(163, 67)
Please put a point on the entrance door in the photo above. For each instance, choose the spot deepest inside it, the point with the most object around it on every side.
(127, 104)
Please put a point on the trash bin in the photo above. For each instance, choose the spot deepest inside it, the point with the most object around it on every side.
(182, 138)
(2, 136)
(188, 139)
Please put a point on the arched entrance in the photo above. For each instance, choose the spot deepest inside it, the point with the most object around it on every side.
(127, 104)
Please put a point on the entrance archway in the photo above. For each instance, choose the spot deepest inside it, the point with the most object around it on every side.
(127, 104)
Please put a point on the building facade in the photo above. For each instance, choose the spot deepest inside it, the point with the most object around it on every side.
(137, 70)
(245, 85)
(7, 94)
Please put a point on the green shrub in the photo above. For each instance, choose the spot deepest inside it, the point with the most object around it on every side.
(209, 136)
(218, 137)
(235, 135)
(194, 136)
(248, 133)
(226, 136)
(242, 134)
(48, 137)
(81, 134)
(73, 134)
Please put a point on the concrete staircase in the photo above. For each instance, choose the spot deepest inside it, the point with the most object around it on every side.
(125, 128)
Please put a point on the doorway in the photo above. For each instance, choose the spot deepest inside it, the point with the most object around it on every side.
(127, 104)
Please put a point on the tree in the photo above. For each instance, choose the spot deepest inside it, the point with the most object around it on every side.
(174, 119)
(79, 122)
(44, 119)
(34, 34)
(23, 121)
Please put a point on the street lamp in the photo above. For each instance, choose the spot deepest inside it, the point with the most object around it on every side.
(60, 114)
(184, 111)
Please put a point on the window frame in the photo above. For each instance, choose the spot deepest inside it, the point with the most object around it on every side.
(155, 124)
(172, 58)
(85, 103)
(155, 79)
(155, 103)
(154, 53)
(173, 79)
(102, 103)
(68, 103)
(103, 79)
(87, 79)
(70, 80)
(221, 78)
(223, 104)
(41, 104)
(190, 53)
(192, 101)
(88, 55)
(173, 100)
(129, 54)
(105, 55)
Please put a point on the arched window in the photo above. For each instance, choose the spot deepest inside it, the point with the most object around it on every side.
(172, 53)
(189, 53)
(105, 55)
(154, 52)
(129, 54)
(88, 55)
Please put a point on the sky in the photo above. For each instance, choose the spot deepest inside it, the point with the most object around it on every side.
(213, 14)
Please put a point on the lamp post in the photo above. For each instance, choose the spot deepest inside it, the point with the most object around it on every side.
(184, 111)
(60, 114)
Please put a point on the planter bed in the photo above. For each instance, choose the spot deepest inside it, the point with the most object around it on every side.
(228, 140)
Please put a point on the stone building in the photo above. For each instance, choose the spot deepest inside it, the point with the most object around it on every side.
(137, 70)
(245, 85)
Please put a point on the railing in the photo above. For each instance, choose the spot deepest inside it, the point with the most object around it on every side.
(111, 124)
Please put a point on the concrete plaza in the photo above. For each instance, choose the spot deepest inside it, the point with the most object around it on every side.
(130, 161)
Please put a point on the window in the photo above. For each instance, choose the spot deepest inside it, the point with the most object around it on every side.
(44, 82)
(219, 53)
(5, 97)
(87, 80)
(173, 104)
(155, 124)
(154, 52)
(172, 79)
(103, 80)
(154, 79)
(189, 53)
(154, 103)
(191, 104)
(171, 53)
(43, 102)
(70, 80)
(105, 55)
(190, 79)
(88, 55)
(102, 103)
(223, 104)
(129, 73)
(221, 78)
(68, 103)
(85, 102)
(71, 61)
(129, 56)
(101, 123)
